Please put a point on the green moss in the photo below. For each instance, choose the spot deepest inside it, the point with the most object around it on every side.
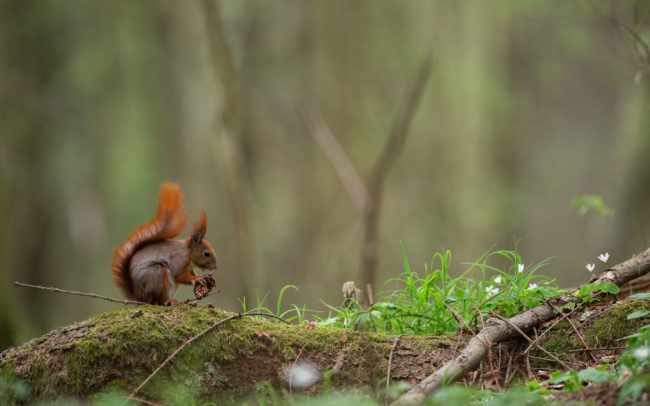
(614, 325)
(138, 343)
(559, 343)
(605, 331)
(40, 375)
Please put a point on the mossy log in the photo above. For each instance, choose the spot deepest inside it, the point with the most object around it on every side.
(120, 349)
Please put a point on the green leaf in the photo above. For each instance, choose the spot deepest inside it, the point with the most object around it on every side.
(610, 288)
(585, 291)
(532, 385)
(593, 375)
(638, 314)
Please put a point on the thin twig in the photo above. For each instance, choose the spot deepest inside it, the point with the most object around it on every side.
(518, 330)
(528, 368)
(506, 379)
(487, 342)
(549, 328)
(96, 296)
(196, 337)
(542, 359)
(72, 292)
(390, 361)
(459, 319)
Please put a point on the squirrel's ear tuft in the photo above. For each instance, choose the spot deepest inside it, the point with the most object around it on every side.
(198, 231)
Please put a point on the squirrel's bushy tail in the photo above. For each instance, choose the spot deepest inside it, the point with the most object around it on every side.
(169, 221)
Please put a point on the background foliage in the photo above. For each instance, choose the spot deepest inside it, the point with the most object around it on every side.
(530, 104)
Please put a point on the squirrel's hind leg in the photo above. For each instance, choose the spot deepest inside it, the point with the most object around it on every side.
(154, 284)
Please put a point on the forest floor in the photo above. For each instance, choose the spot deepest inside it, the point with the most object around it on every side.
(122, 348)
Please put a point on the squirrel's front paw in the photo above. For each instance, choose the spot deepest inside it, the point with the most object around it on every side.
(204, 285)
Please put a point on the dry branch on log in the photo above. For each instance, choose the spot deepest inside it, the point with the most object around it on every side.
(496, 331)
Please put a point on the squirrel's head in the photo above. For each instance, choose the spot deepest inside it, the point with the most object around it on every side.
(202, 254)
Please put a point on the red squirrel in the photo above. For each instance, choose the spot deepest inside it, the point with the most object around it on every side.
(149, 264)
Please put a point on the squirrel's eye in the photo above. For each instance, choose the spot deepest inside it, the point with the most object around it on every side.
(206, 254)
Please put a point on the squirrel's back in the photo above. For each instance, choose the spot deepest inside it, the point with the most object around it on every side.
(169, 221)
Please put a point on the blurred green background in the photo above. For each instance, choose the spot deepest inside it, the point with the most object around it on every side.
(529, 104)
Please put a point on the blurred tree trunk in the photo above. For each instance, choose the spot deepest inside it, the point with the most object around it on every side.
(231, 143)
(31, 57)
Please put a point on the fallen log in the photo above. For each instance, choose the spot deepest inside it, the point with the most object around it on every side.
(121, 349)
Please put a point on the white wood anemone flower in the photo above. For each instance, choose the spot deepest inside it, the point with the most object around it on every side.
(491, 290)
(604, 257)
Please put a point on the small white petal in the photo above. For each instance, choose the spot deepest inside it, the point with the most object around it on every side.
(497, 279)
(604, 257)
(532, 286)
(491, 290)
(641, 353)
(590, 267)
(520, 268)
